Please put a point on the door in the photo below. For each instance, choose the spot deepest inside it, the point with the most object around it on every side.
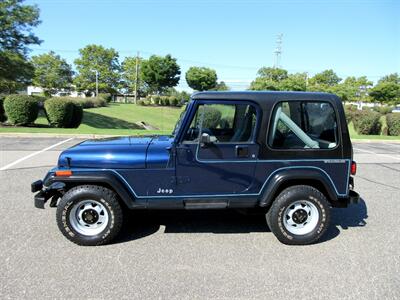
(217, 154)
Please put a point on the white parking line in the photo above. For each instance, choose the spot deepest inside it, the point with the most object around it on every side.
(371, 152)
(33, 154)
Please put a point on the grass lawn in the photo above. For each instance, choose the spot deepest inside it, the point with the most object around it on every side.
(116, 119)
(120, 119)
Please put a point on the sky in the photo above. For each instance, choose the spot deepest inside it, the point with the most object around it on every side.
(234, 37)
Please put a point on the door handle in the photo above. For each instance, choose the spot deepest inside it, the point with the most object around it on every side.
(242, 151)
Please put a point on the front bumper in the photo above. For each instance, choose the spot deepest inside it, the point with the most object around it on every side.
(36, 186)
(45, 193)
(41, 198)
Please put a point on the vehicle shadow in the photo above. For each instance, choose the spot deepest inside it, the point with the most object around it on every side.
(354, 215)
(140, 224)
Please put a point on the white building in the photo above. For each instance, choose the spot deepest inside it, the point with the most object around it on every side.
(35, 90)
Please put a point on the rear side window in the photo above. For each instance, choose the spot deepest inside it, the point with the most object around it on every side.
(302, 125)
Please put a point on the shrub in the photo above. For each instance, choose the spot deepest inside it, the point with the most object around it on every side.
(393, 124)
(349, 113)
(163, 101)
(156, 99)
(168, 101)
(367, 108)
(141, 102)
(64, 112)
(2, 113)
(180, 95)
(367, 122)
(174, 101)
(89, 102)
(106, 96)
(59, 112)
(384, 110)
(21, 109)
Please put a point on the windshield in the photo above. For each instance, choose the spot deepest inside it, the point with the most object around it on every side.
(179, 122)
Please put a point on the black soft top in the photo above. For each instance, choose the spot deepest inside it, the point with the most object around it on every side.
(264, 97)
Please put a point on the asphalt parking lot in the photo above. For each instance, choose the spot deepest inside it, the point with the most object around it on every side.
(199, 254)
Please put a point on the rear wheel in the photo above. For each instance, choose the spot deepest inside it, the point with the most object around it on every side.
(299, 215)
(89, 215)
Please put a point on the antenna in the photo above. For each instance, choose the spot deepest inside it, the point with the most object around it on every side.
(278, 51)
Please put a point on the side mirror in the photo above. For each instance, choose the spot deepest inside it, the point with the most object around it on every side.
(205, 139)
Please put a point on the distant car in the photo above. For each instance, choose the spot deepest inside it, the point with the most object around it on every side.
(396, 110)
(288, 153)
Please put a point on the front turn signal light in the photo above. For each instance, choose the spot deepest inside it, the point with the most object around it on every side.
(64, 173)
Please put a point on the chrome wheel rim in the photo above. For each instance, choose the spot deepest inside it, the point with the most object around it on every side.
(88, 217)
(301, 217)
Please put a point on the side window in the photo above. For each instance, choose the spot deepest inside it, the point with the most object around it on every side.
(225, 123)
(303, 124)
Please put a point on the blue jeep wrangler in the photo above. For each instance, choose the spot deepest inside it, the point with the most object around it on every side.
(287, 153)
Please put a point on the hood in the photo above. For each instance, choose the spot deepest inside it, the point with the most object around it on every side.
(115, 152)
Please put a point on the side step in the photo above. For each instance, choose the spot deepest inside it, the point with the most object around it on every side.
(201, 204)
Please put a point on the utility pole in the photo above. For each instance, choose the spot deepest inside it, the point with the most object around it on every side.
(97, 83)
(278, 51)
(137, 76)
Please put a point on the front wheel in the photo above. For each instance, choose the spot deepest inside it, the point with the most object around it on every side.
(299, 215)
(89, 215)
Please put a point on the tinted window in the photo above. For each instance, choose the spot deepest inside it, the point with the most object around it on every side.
(303, 124)
(225, 123)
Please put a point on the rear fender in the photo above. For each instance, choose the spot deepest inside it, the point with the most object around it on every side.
(288, 177)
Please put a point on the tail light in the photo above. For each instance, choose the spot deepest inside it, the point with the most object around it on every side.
(353, 168)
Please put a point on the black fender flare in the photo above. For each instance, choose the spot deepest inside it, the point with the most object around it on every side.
(299, 174)
(100, 177)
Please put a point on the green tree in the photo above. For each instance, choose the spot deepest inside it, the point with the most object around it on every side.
(386, 92)
(395, 78)
(221, 86)
(325, 80)
(96, 58)
(274, 74)
(201, 79)
(51, 72)
(16, 24)
(354, 89)
(160, 73)
(294, 82)
(261, 84)
(269, 79)
(16, 72)
(128, 67)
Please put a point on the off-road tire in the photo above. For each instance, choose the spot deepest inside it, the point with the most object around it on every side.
(93, 192)
(275, 216)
